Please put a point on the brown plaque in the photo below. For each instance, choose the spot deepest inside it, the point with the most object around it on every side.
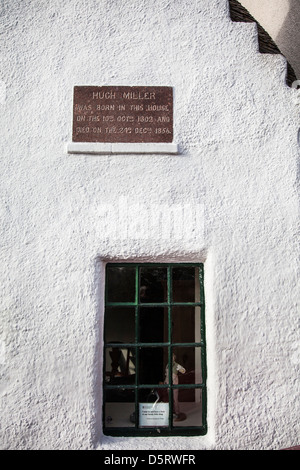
(122, 114)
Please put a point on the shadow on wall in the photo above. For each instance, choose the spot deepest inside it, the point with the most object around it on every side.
(266, 44)
(288, 38)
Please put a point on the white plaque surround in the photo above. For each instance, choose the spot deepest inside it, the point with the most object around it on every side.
(99, 148)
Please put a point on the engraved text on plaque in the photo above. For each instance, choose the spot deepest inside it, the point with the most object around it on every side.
(122, 114)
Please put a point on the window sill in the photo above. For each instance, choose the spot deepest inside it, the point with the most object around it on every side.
(99, 148)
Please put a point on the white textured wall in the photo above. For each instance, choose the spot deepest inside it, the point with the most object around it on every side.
(236, 123)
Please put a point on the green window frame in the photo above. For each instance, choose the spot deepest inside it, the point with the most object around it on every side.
(138, 346)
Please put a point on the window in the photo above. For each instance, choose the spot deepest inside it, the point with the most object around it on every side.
(154, 350)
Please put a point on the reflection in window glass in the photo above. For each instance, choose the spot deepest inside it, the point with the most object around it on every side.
(189, 408)
(119, 325)
(189, 360)
(153, 324)
(120, 284)
(153, 285)
(185, 284)
(152, 365)
(120, 365)
(120, 413)
(186, 323)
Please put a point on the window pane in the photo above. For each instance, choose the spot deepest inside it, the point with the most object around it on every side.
(187, 407)
(153, 285)
(153, 324)
(120, 284)
(119, 408)
(153, 408)
(187, 365)
(152, 365)
(185, 283)
(119, 325)
(186, 326)
(120, 365)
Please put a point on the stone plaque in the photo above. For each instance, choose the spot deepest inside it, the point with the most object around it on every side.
(122, 114)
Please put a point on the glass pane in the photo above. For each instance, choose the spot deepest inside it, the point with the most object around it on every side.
(120, 284)
(152, 365)
(120, 366)
(153, 408)
(153, 285)
(187, 407)
(185, 282)
(153, 324)
(186, 326)
(119, 408)
(119, 325)
(187, 365)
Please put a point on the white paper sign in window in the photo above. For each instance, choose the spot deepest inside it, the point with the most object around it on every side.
(154, 414)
